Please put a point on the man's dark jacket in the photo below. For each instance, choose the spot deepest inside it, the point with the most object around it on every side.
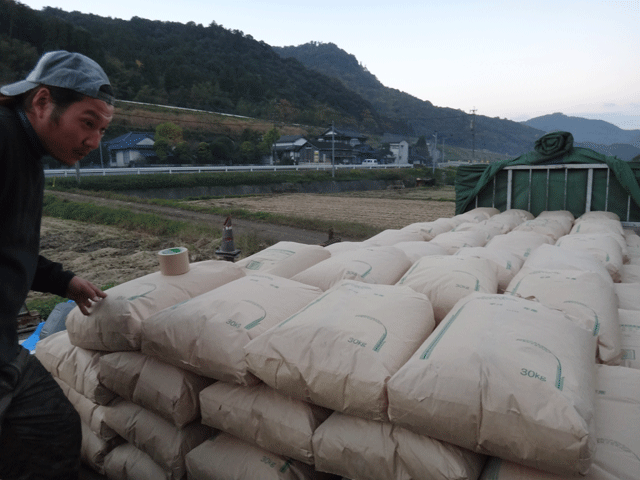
(21, 194)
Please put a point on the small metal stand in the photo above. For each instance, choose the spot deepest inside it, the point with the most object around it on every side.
(227, 250)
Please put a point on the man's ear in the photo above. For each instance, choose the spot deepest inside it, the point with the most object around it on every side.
(41, 102)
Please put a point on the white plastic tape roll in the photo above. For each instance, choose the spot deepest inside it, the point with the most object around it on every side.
(174, 261)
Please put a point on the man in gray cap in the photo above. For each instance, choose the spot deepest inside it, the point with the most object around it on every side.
(62, 109)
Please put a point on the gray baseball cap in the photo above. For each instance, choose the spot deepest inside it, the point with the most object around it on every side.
(66, 70)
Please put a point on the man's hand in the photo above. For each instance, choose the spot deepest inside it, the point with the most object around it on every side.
(83, 292)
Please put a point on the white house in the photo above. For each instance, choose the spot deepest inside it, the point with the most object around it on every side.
(130, 148)
(399, 147)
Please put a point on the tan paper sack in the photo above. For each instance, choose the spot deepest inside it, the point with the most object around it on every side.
(339, 351)
(162, 441)
(445, 279)
(585, 297)
(630, 332)
(263, 416)
(506, 377)
(115, 321)
(169, 391)
(206, 335)
(226, 457)
(126, 462)
(357, 448)
(284, 259)
(376, 265)
(617, 421)
(77, 367)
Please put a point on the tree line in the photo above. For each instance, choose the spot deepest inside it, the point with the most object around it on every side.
(186, 65)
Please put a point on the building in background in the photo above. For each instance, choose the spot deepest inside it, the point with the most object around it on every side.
(131, 149)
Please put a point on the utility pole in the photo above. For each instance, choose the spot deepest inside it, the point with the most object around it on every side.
(433, 157)
(442, 149)
(333, 151)
(473, 134)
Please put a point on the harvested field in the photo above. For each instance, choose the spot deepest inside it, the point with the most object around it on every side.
(383, 209)
(108, 256)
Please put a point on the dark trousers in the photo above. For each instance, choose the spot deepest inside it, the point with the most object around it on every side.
(40, 436)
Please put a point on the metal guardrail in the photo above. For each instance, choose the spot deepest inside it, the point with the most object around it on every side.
(83, 172)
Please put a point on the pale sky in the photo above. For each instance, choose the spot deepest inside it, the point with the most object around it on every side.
(507, 59)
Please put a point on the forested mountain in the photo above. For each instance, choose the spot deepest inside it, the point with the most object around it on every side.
(423, 117)
(185, 65)
(213, 68)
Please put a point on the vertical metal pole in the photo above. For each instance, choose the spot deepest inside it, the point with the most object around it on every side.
(566, 174)
(606, 196)
(333, 151)
(509, 188)
(546, 207)
(493, 200)
(433, 160)
(587, 207)
(530, 187)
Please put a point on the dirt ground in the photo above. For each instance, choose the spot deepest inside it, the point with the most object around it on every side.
(109, 256)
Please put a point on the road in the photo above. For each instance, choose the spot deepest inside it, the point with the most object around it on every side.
(276, 233)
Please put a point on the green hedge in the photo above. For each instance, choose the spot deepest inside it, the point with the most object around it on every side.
(223, 179)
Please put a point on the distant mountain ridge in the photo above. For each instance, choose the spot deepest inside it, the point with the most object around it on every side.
(601, 136)
(494, 134)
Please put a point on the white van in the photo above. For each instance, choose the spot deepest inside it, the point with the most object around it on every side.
(370, 161)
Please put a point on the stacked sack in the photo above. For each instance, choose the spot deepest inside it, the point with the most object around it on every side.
(122, 433)
(486, 345)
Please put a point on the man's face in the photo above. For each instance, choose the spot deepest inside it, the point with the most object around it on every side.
(77, 131)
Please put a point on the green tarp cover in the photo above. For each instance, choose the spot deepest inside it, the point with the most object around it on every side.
(541, 192)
